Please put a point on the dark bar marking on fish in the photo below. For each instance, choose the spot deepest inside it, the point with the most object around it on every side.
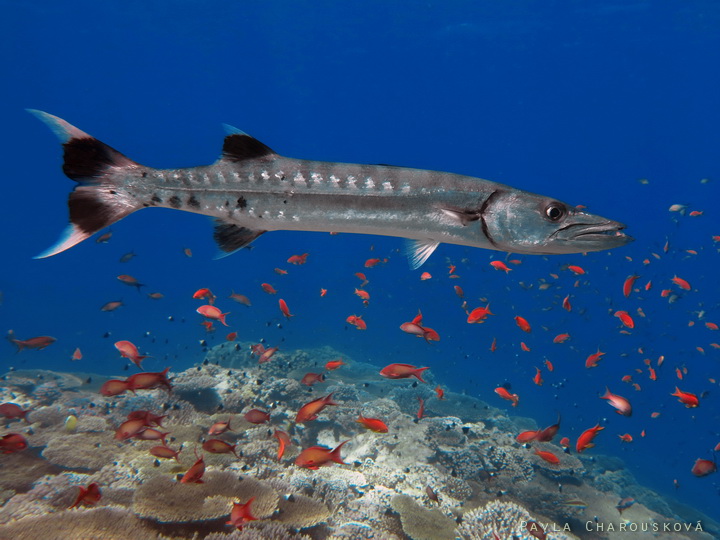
(155, 199)
(192, 202)
(175, 202)
(485, 229)
(230, 237)
(88, 158)
(241, 202)
(88, 212)
(239, 147)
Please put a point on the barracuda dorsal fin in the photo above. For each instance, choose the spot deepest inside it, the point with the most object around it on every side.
(230, 238)
(418, 251)
(239, 146)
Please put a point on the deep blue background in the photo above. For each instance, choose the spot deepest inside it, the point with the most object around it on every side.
(568, 99)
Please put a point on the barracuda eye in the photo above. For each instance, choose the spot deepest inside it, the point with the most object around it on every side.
(554, 211)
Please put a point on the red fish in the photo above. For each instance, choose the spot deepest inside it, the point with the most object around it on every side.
(267, 354)
(373, 424)
(686, 398)
(130, 351)
(240, 298)
(211, 312)
(280, 271)
(548, 456)
(285, 309)
(298, 259)
(218, 428)
(478, 315)
(523, 324)
(566, 303)
(334, 364)
(111, 306)
(421, 408)
(577, 270)
(439, 392)
(425, 276)
(549, 365)
(232, 336)
(256, 416)
(310, 410)
(363, 294)
(241, 513)
(703, 467)
(165, 452)
(503, 393)
(592, 360)
(268, 288)
(129, 280)
(537, 379)
(311, 378)
(11, 411)
(130, 428)
(38, 343)
(625, 318)
(561, 338)
(626, 438)
(403, 371)
(149, 380)
(548, 434)
(680, 282)
(195, 473)
(152, 434)
(621, 404)
(459, 291)
(357, 322)
(317, 456)
(88, 496)
(76, 355)
(283, 442)
(12, 442)
(114, 387)
(204, 294)
(565, 442)
(499, 265)
(370, 263)
(586, 437)
(527, 436)
(628, 285)
(216, 446)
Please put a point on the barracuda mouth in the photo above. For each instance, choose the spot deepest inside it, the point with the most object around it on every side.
(595, 236)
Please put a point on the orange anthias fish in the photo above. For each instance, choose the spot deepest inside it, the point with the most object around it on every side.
(561, 338)
(621, 404)
(211, 312)
(317, 456)
(373, 424)
(334, 364)
(149, 380)
(585, 439)
(703, 467)
(680, 282)
(240, 298)
(592, 360)
(686, 398)
(537, 379)
(11, 411)
(283, 442)
(626, 438)
(523, 324)
(478, 315)
(628, 285)
(256, 416)
(499, 265)
(439, 392)
(195, 473)
(241, 514)
(548, 434)
(285, 309)
(403, 371)
(311, 378)
(38, 343)
(204, 294)
(130, 351)
(165, 452)
(577, 270)
(268, 288)
(310, 410)
(76, 355)
(625, 318)
(566, 303)
(548, 456)
(357, 322)
(218, 428)
(129, 280)
(88, 496)
(503, 393)
(216, 446)
(298, 259)
(12, 442)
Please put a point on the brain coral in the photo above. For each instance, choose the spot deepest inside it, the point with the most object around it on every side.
(164, 499)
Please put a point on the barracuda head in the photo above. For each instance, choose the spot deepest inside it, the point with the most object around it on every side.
(522, 222)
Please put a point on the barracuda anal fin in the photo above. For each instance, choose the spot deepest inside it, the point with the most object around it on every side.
(418, 251)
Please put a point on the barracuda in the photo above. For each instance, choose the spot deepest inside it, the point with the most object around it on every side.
(251, 190)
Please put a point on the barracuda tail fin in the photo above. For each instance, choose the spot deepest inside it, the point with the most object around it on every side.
(94, 204)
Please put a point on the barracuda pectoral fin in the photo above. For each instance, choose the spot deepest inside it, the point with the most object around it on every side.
(230, 237)
(462, 215)
(418, 251)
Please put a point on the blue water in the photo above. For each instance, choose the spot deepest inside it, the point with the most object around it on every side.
(570, 99)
